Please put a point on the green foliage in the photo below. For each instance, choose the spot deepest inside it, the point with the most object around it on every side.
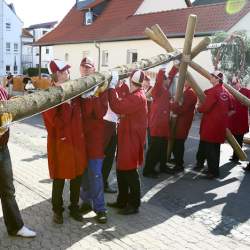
(231, 58)
(34, 71)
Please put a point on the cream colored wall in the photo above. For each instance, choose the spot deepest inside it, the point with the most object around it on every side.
(243, 24)
(118, 54)
(160, 5)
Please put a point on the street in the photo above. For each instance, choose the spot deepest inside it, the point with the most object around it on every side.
(182, 211)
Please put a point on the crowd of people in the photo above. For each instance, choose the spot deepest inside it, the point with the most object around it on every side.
(87, 133)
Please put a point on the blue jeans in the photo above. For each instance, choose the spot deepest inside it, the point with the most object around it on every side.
(11, 213)
(92, 186)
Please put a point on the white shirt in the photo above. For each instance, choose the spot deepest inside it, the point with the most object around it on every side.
(110, 115)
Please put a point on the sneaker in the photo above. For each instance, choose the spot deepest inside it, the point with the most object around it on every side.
(247, 168)
(58, 218)
(101, 217)
(210, 176)
(85, 208)
(26, 233)
(76, 215)
(128, 210)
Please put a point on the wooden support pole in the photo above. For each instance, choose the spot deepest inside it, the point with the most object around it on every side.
(241, 98)
(186, 56)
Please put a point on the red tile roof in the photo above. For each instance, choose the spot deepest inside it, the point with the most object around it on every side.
(118, 22)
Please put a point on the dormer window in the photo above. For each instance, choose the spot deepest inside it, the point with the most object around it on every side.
(88, 17)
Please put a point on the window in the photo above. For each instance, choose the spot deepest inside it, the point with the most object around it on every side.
(7, 47)
(15, 69)
(66, 57)
(44, 32)
(105, 56)
(15, 47)
(8, 26)
(47, 50)
(132, 56)
(7, 68)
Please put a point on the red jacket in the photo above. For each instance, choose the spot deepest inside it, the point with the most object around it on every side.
(238, 122)
(215, 118)
(94, 109)
(65, 142)
(185, 113)
(131, 128)
(159, 113)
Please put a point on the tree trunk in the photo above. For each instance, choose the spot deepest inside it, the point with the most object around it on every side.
(31, 104)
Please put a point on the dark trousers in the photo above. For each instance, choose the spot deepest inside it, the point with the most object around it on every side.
(157, 152)
(212, 154)
(239, 139)
(200, 155)
(178, 151)
(57, 194)
(129, 189)
(109, 151)
(11, 213)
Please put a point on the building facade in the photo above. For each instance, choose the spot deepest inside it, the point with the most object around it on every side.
(10, 40)
(38, 31)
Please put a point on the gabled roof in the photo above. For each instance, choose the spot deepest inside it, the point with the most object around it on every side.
(47, 25)
(26, 33)
(117, 22)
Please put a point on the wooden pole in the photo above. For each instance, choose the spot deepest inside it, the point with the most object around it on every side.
(186, 56)
(241, 98)
(28, 105)
(230, 138)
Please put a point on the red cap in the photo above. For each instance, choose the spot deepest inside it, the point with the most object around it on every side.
(86, 61)
(137, 76)
(57, 65)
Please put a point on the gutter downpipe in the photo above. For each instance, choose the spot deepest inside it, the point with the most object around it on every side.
(97, 45)
(40, 61)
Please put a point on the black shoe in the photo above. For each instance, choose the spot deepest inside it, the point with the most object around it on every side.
(115, 205)
(178, 169)
(128, 210)
(58, 218)
(151, 175)
(85, 208)
(198, 167)
(76, 215)
(210, 176)
(109, 190)
(101, 217)
(167, 170)
(234, 159)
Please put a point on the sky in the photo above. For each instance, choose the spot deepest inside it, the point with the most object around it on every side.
(41, 11)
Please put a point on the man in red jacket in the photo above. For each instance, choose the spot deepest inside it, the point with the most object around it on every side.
(66, 147)
(132, 108)
(185, 114)
(94, 108)
(215, 109)
(238, 121)
(159, 124)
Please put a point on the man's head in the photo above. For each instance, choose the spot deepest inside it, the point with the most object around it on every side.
(87, 66)
(236, 83)
(216, 77)
(136, 78)
(59, 70)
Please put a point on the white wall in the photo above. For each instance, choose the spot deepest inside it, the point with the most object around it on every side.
(160, 5)
(243, 24)
(12, 36)
(118, 54)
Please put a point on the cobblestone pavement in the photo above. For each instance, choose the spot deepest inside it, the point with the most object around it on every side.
(177, 212)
